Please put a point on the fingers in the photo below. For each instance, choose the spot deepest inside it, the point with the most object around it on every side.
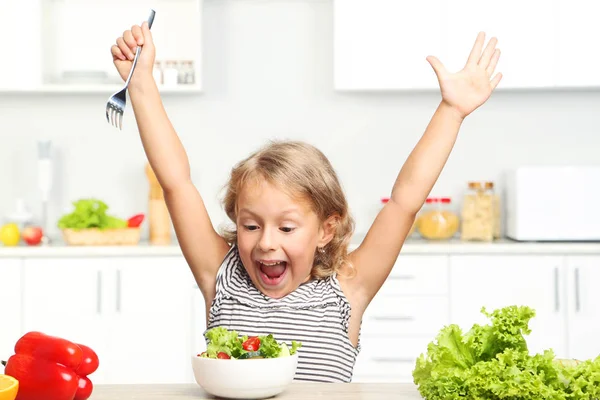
(437, 66)
(138, 35)
(476, 50)
(117, 53)
(489, 51)
(496, 80)
(125, 49)
(147, 36)
(493, 62)
(128, 43)
(130, 40)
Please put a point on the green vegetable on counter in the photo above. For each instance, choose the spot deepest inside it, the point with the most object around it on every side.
(90, 213)
(493, 362)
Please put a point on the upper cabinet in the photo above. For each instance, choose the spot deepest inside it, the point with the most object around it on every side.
(382, 44)
(64, 45)
(577, 34)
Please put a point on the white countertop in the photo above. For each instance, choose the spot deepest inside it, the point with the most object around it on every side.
(412, 246)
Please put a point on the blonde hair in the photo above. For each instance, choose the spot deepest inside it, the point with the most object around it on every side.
(302, 171)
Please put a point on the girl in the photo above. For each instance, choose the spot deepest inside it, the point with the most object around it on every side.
(284, 269)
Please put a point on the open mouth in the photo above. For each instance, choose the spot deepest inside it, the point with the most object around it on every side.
(272, 272)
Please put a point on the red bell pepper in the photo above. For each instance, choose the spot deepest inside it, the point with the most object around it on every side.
(51, 368)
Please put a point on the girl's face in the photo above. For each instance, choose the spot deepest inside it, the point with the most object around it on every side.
(277, 238)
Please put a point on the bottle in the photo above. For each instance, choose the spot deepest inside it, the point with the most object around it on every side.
(157, 73)
(45, 172)
(480, 212)
(190, 73)
(158, 214)
(170, 74)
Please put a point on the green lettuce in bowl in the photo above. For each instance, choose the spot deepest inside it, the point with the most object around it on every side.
(226, 344)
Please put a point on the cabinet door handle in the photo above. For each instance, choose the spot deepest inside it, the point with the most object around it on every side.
(118, 290)
(577, 297)
(99, 292)
(556, 290)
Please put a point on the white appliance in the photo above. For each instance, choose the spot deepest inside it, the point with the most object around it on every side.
(553, 203)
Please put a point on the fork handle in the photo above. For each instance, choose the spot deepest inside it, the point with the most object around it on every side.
(139, 48)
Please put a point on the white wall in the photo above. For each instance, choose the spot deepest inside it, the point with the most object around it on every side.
(268, 73)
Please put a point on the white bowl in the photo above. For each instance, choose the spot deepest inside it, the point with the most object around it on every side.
(245, 379)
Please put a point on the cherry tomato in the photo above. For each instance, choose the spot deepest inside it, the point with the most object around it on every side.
(223, 356)
(252, 344)
(135, 221)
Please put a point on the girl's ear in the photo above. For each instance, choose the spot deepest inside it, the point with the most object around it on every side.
(327, 230)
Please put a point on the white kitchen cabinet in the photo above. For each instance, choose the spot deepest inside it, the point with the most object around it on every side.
(10, 299)
(21, 44)
(578, 32)
(66, 297)
(135, 312)
(408, 311)
(391, 358)
(583, 275)
(382, 44)
(525, 32)
(150, 338)
(497, 281)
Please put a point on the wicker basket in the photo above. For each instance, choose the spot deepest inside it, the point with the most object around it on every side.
(104, 237)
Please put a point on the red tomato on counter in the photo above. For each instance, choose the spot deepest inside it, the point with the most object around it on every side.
(135, 221)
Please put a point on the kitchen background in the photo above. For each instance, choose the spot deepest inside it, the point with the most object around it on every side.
(267, 72)
(349, 76)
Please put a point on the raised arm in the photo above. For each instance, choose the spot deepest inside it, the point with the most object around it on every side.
(202, 246)
(462, 93)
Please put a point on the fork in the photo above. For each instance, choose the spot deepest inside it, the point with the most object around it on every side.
(117, 102)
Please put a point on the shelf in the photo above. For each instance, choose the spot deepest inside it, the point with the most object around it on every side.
(94, 89)
(64, 45)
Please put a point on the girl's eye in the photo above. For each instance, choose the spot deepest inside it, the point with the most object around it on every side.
(287, 229)
(251, 227)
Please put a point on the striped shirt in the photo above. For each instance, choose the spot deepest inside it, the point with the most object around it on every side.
(316, 314)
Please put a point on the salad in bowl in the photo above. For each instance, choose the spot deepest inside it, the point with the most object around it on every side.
(241, 366)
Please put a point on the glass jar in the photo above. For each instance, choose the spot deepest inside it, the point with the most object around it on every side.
(189, 73)
(437, 221)
(481, 213)
(385, 200)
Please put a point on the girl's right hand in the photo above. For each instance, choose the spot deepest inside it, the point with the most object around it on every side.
(124, 52)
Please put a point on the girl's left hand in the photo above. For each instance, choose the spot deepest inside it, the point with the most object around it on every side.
(469, 88)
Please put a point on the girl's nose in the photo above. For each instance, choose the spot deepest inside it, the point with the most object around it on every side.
(267, 241)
